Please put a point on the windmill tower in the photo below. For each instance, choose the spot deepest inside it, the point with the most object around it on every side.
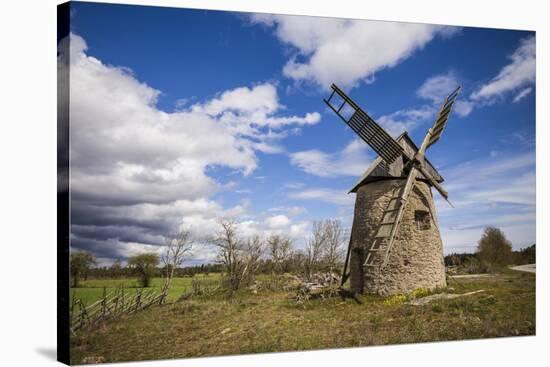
(395, 244)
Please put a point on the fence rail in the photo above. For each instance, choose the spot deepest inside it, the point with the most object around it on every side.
(111, 305)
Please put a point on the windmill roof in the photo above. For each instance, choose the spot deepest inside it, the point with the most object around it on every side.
(378, 170)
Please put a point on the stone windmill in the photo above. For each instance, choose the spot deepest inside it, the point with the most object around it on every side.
(395, 244)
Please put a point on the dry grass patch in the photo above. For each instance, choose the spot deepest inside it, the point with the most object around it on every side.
(271, 321)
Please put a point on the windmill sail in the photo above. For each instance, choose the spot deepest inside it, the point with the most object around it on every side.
(443, 117)
(388, 228)
(389, 150)
(364, 126)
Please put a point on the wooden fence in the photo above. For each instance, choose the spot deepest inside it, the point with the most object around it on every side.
(111, 305)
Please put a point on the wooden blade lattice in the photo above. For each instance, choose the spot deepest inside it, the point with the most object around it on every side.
(443, 117)
(364, 126)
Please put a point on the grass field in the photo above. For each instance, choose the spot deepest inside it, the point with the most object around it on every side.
(91, 290)
(274, 322)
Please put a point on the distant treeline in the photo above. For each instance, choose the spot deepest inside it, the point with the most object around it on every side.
(478, 263)
(239, 259)
(294, 264)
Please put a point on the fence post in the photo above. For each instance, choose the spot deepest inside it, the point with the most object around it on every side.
(104, 303)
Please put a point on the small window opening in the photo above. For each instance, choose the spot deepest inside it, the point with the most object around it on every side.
(422, 219)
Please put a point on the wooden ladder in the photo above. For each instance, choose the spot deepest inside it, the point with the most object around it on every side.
(383, 240)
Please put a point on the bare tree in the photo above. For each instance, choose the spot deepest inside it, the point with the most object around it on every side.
(250, 257)
(280, 249)
(240, 259)
(334, 235)
(178, 247)
(229, 245)
(315, 246)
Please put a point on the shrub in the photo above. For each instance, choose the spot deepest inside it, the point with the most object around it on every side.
(494, 249)
(419, 293)
(145, 265)
(395, 300)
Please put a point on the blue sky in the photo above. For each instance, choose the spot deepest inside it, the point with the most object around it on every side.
(180, 117)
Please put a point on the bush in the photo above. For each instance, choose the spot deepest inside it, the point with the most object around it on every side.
(419, 293)
(396, 299)
(494, 250)
(145, 266)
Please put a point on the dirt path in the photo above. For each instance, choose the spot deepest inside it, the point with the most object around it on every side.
(465, 276)
(530, 268)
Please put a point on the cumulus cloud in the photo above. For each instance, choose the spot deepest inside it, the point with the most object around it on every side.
(352, 160)
(247, 109)
(343, 51)
(519, 73)
(138, 173)
(277, 221)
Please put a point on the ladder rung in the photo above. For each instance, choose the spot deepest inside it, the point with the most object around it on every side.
(386, 223)
(377, 249)
(391, 210)
(370, 265)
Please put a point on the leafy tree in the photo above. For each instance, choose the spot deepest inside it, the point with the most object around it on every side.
(81, 262)
(145, 265)
(528, 255)
(494, 249)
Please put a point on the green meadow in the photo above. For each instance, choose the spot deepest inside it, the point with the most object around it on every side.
(91, 290)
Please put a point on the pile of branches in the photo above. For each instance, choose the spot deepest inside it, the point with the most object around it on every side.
(319, 285)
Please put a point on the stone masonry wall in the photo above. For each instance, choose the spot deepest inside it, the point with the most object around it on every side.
(416, 258)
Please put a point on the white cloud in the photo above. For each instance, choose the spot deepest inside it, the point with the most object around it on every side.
(123, 146)
(434, 90)
(522, 94)
(400, 121)
(277, 221)
(437, 87)
(464, 108)
(138, 173)
(244, 108)
(497, 190)
(350, 161)
(346, 51)
(291, 211)
(519, 73)
(338, 197)
(274, 225)
(519, 139)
